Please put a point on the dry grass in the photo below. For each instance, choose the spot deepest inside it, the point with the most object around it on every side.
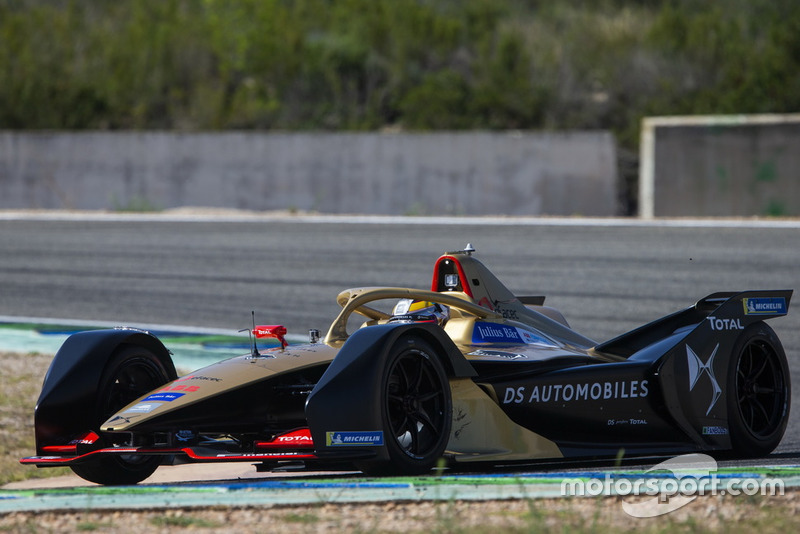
(734, 515)
(20, 382)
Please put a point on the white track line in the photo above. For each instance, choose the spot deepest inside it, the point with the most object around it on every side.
(280, 217)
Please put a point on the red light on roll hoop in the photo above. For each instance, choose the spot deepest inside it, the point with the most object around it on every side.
(276, 331)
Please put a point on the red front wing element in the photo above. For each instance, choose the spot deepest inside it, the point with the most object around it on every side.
(294, 445)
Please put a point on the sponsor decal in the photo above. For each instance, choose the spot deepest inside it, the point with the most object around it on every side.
(414, 318)
(294, 439)
(496, 333)
(163, 397)
(507, 313)
(532, 339)
(282, 454)
(625, 422)
(181, 387)
(697, 369)
(764, 306)
(725, 324)
(715, 431)
(499, 354)
(143, 407)
(345, 439)
(184, 435)
(88, 439)
(620, 389)
(199, 377)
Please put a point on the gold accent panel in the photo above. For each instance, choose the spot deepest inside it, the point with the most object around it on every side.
(482, 431)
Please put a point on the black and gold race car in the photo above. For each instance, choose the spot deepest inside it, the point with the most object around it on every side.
(463, 373)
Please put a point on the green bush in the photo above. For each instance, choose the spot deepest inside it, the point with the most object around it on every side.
(413, 64)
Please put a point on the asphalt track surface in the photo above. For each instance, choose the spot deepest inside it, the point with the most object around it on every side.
(607, 276)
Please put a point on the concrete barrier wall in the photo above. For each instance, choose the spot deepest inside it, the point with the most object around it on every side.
(720, 166)
(437, 173)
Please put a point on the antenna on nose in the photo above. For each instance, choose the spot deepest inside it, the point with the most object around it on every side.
(250, 332)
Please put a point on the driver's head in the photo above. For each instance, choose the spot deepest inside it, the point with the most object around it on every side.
(421, 311)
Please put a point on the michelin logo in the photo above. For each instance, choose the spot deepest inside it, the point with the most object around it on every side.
(349, 439)
(765, 306)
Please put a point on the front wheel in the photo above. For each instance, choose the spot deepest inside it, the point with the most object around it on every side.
(416, 409)
(759, 392)
(130, 373)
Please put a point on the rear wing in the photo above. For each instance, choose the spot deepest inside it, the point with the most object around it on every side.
(724, 310)
(701, 407)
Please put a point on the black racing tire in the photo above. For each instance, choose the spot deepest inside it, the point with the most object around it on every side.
(416, 410)
(131, 372)
(759, 392)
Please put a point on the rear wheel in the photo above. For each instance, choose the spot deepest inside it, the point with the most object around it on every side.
(131, 372)
(759, 392)
(416, 409)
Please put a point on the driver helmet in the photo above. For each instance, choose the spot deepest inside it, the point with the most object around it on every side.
(419, 311)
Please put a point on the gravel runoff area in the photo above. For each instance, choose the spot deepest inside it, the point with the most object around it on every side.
(705, 514)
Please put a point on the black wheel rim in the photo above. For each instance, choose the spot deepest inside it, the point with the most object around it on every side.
(760, 389)
(415, 404)
(133, 379)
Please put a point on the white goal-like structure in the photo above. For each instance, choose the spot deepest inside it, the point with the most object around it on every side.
(720, 165)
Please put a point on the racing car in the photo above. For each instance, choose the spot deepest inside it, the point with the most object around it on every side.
(462, 374)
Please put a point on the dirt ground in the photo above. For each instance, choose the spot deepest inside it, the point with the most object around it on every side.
(705, 514)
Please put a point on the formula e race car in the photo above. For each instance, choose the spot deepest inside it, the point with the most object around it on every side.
(463, 373)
